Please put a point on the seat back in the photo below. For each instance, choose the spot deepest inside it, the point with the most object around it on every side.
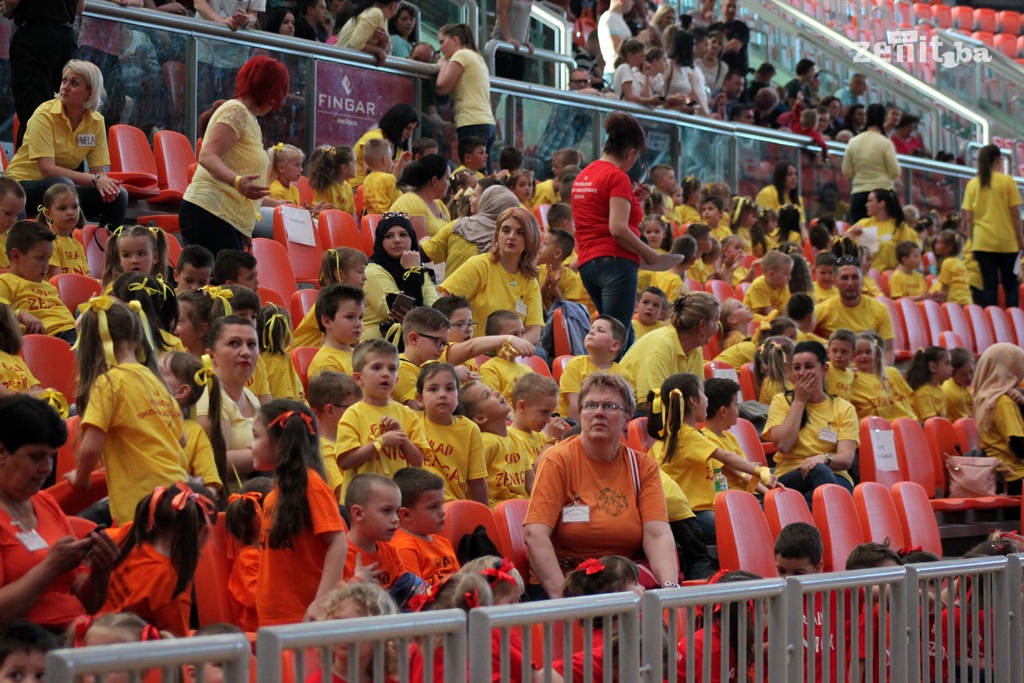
(963, 18)
(985, 19)
(750, 442)
(1008, 22)
(1016, 316)
(74, 289)
(536, 363)
(560, 331)
(212, 574)
(958, 324)
(836, 519)
(917, 331)
(966, 434)
(52, 362)
(999, 323)
(275, 267)
(941, 437)
(67, 458)
(508, 518)
(558, 367)
(899, 340)
(72, 500)
(339, 229)
(744, 540)
(1006, 43)
(299, 305)
(934, 319)
(305, 190)
(130, 151)
(305, 259)
(301, 358)
(976, 318)
(173, 154)
(270, 296)
(720, 289)
(914, 455)
(951, 340)
(916, 517)
(463, 516)
(637, 437)
(783, 507)
(878, 519)
(369, 227)
(95, 240)
(874, 431)
(748, 387)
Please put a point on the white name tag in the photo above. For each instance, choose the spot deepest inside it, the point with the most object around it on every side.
(575, 513)
(828, 434)
(521, 308)
(86, 140)
(32, 540)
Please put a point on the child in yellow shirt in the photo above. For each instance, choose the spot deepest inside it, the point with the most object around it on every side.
(735, 320)
(731, 267)
(380, 187)
(39, 308)
(535, 424)
(501, 371)
(770, 291)
(707, 254)
(558, 282)
(773, 366)
(62, 215)
(649, 309)
(329, 171)
(905, 280)
(12, 203)
(330, 394)
(275, 333)
(341, 265)
(603, 342)
(15, 376)
(878, 390)
(928, 369)
(952, 274)
(957, 389)
(509, 473)
(800, 309)
(824, 264)
(283, 172)
(722, 413)
(839, 378)
(339, 310)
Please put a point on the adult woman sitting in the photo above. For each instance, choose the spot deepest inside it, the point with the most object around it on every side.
(815, 433)
(221, 204)
(608, 211)
(428, 183)
(593, 496)
(44, 578)
(396, 126)
(470, 235)
(62, 134)
(997, 400)
(673, 348)
(505, 278)
(463, 73)
(885, 215)
(870, 162)
(394, 269)
(782, 191)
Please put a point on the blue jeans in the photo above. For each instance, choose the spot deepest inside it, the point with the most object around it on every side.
(819, 476)
(487, 131)
(706, 522)
(611, 283)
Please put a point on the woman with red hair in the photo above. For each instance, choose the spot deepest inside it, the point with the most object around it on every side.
(221, 204)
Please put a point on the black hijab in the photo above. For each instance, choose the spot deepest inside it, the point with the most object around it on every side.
(410, 282)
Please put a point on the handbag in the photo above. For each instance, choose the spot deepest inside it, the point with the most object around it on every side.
(972, 475)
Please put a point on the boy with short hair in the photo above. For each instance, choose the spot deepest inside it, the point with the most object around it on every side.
(906, 280)
(510, 159)
(800, 308)
(423, 147)
(23, 648)
(603, 343)
(701, 270)
(722, 413)
(712, 210)
(649, 309)
(339, 311)
(472, 156)
(234, 267)
(565, 184)
(557, 282)
(420, 541)
(345, 265)
(824, 264)
(798, 550)
(545, 193)
(377, 434)
(373, 501)
(560, 217)
(839, 378)
(35, 301)
(534, 401)
(380, 186)
(770, 291)
(509, 473)
(663, 178)
(12, 203)
(194, 269)
(501, 371)
(330, 394)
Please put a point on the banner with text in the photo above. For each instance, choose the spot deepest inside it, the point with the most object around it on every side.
(350, 101)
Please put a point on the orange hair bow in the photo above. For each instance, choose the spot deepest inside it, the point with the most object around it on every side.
(591, 566)
(283, 418)
(909, 549)
(255, 497)
(418, 602)
(502, 571)
(178, 502)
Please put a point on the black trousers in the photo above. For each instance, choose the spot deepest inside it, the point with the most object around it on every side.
(38, 55)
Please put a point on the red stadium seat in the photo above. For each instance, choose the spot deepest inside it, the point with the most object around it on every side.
(872, 430)
(73, 501)
(301, 358)
(95, 240)
(52, 362)
(692, 285)
(270, 296)
(637, 437)
(1016, 316)
(883, 282)
(560, 331)
(966, 434)
(922, 12)
(173, 155)
(357, 199)
(741, 290)
(878, 519)
(1008, 22)
(305, 190)
(275, 268)
(934, 318)
(1000, 325)
(980, 330)
(339, 229)
(899, 342)
(750, 442)
(943, 15)
(558, 367)
(541, 212)
(719, 368)
(985, 19)
(300, 304)
(1006, 43)
(168, 222)
(67, 455)
(132, 162)
(744, 540)
(941, 437)
(463, 516)
(916, 517)
(74, 289)
(836, 518)
(913, 323)
(369, 227)
(508, 519)
(963, 19)
(951, 340)
(305, 259)
(958, 323)
(783, 507)
(985, 37)
(748, 387)
(536, 363)
(720, 289)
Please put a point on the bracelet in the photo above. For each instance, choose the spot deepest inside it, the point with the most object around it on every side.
(95, 179)
(670, 584)
(507, 351)
(238, 183)
(378, 444)
(752, 482)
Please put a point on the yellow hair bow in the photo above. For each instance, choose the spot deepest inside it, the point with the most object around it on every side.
(40, 209)
(221, 293)
(766, 324)
(117, 231)
(660, 407)
(100, 305)
(137, 307)
(278, 147)
(56, 401)
(204, 375)
(155, 230)
(465, 192)
(268, 329)
(689, 178)
(143, 287)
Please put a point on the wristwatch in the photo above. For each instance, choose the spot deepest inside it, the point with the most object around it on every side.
(828, 458)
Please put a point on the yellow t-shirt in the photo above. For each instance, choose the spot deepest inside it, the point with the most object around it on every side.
(721, 231)
(289, 194)
(959, 400)
(653, 359)
(501, 375)
(992, 205)
(374, 134)
(701, 271)
(544, 193)
(4, 261)
(413, 204)
(245, 157)
(973, 269)
(768, 198)
(489, 287)
(832, 413)
(328, 358)
(238, 427)
(449, 248)
(739, 354)
(684, 213)
(506, 468)
(760, 295)
(380, 190)
(259, 383)
(69, 256)
(573, 374)
(1006, 422)
(472, 92)
(283, 377)
(143, 428)
(38, 298)
(48, 133)
(668, 282)
(171, 342)
(357, 31)
(903, 284)
(838, 382)
(867, 315)
(821, 294)
(639, 329)
(530, 444)
(379, 284)
(334, 475)
(810, 336)
(953, 278)
(199, 455)
(339, 196)
(691, 466)
(308, 332)
(928, 401)
(361, 424)
(889, 235)
(769, 388)
(739, 274)
(675, 500)
(456, 454)
(727, 442)
(869, 286)
(405, 386)
(733, 338)
(15, 375)
(870, 397)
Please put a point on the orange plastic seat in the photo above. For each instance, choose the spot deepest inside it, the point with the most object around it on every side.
(836, 518)
(558, 367)
(305, 259)
(943, 15)
(986, 37)
(275, 268)
(901, 351)
(719, 368)
(941, 437)
(560, 331)
(1008, 22)
(934, 319)
(369, 227)
(958, 323)
(878, 519)
(301, 358)
(173, 251)
(299, 305)
(741, 290)
(883, 282)
(52, 362)
(173, 154)
(305, 190)
(1005, 43)
(692, 285)
(74, 289)
(357, 199)
(132, 162)
(985, 19)
(922, 11)
(748, 387)
(744, 540)
(339, 229)
(963, 19)
(95, 241)
(168, 222)
(269, 296)
(869, 471)
(913, 324)
(999, 323)
(67, 458)
(637, 437)
(212, 573)
(1016, 316)
(750, 442)
(951, 340)
(980, 330)
(508, 519)
(720, 289)
(463, 516)
(967, 434)
(916, 517)
(783, 507)
(541, 213)
(536, 363)
(72, 501)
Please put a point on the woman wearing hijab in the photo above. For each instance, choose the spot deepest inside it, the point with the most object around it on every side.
(997, 411)
(466, 237)
(394, 269)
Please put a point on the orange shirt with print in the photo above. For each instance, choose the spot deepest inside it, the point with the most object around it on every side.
(242, 584)
(389, 564)
(143, 584)
(433, 560)
(290, 576)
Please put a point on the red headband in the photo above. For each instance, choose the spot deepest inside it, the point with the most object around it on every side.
(253, 496)
(502, 571)
(281, 419)
(82, 625)
(472, 598)
(909, 549)
(591, 566)
(179, 502)
(418, 602)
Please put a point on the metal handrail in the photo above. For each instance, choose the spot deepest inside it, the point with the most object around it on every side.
(494, 45)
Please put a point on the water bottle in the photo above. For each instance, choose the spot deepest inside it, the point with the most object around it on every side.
(721, 484)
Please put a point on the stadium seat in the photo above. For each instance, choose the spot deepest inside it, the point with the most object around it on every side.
(52, 362)
(966, 434)
(958, 323)
(173, 154)
(980, 330)
(67, 455)
(1016, 316)
(463, 516)
(299, 305)
(744, 540)
(168, 222)
(748, 387)
(637, 437)
(173, 251)
(95, 240)
(934, 319)
(741, 290)
(369, 227)
(883, 282)
(81, 527)
(720, 289)
(305, 190)
(560, 333)
(558, 367)
(339, 229)
(913, 324)
(212, 573)
(710, 350)
(963, 19)
(870, 429)
(1006, 43)
(942, 15)
(536, 363)
(305, 259)
(508, 519)
(269, 296)
(750, 443)
(301, 358)
(783, 507)
(836, 518)
(922, 12)
(1000, 325)
(541, 212)
(719, 368)
(74, 289)
(985, 19)
(878, 519)
(73, 501)
(985, 37)
(941, 437)
(693, 285)
(132, 162)
(901, 350)
(916, 517)
(419, 226)
(1008, 22)
(357, 199)
(275, 268)
(951, 340)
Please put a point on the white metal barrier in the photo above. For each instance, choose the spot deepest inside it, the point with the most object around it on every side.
(136, 659)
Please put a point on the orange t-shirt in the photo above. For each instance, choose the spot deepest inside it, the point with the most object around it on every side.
(620, 496)
(433, 560)
(389, 564)
(289, 577)
(143, 584)
(242, 581)
(57, 607)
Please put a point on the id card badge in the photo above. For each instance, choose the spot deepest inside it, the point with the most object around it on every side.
(828, 434)
(575, 513)
(521, 308)
(86, 140)
(32, 540)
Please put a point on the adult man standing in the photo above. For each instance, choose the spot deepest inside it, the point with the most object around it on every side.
(737, 36)
(851, 310)
(853, 92)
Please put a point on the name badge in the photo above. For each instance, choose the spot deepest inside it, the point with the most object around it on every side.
(828, 434)
(521, 308)
(885, 238)
(32, 540)
(575, 513)
(86, 140)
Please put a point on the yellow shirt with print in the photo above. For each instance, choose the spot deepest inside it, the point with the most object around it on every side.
(1006, 422)
(529, 444)
(449, 248)
(821, 294)
(456, 454)
(199, 458)
(760, 295)
(573, 374)
(869, 314)
(691, 466)
(329, 455)
(673, 285)
(289, 194)
(506, 468)
(639, 329)
(15, 375)
(339, 196)
(361, 425)
(48, 133)
(721, 231)
(413, 204)
(308, 332)
(69, 256)
(328, 358)
(906, 284)
(39, 299)
(653, 359)
(870, 397)
(928, 401)
(380, 190)
(768, 198)
(889, 235)
(953, 278)
(993, 229)
(838, 382)
(739, 354)
(959, 400)
(727, 442)
(490, 287)
(282, 377)
(833, 414)
(501, 375)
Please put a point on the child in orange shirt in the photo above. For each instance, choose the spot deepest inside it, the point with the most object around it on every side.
(373, 501)
(302, 544)
(244, 521)
(159, 554)
(420, 545)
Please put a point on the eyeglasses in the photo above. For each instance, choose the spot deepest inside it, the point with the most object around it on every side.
(580, 81)
(462, 327)
(594, 406)
(438, 341)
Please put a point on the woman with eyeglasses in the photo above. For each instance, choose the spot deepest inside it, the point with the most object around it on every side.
(594, 496)
(394, 276)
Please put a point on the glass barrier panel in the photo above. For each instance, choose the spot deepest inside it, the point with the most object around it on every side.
(824, 190)
(548, 126)
(756, 162)
(706, 154)
(6, 94)
(350, 100)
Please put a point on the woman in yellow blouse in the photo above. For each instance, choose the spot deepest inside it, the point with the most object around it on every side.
(782, 191)
(997, 401)
(428, 180)
(885, 214)
(396, 126)
(394, 269)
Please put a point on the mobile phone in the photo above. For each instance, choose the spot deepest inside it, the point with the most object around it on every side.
(403, 302)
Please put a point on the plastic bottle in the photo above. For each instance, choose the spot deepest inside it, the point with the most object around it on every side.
(721, 484)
